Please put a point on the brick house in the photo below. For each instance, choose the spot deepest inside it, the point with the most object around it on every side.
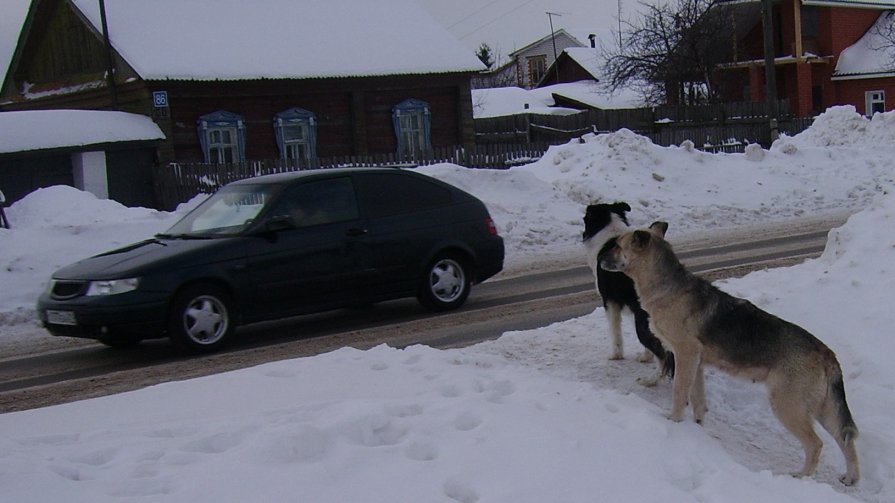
(232, 81)
(826, 52)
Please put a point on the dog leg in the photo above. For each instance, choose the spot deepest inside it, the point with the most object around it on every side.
(614, 315)
(835, 417)
(697, 396)
(687, 368)
(852, 471)
(793, 413)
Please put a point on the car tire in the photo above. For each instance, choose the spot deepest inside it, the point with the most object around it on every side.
(445, 283)
(201, 319)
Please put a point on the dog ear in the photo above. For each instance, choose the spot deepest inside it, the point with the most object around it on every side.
(640, 239)
(622, 207)
(659, 228)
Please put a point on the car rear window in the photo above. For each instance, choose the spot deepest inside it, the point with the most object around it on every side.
(388, 194)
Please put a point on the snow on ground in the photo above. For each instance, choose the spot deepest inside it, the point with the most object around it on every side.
(534, 416)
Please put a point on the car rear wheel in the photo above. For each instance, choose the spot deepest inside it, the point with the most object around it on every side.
(445, 284)
(201, 319)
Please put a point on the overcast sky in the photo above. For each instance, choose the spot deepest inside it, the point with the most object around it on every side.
(507, 25)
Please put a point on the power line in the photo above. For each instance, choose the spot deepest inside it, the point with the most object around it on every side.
(480, 9)
(498, 18)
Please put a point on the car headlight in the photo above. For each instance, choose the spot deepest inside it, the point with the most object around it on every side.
(112, 286)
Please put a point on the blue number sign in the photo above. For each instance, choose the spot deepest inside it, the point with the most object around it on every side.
(160, 99)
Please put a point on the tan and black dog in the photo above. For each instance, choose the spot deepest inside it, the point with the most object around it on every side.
(703, 325)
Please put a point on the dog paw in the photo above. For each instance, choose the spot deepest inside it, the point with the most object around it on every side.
(645, 357)
(676, 418)
(616, 356)
(648, 382)
(848, 480)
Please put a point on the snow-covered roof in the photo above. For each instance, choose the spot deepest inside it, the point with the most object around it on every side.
(556, 33)
(870, 56)
(240, 40)
(501, 101)
(48, 129)
(587, 58)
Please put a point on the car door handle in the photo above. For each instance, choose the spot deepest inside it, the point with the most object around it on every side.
(354, 232)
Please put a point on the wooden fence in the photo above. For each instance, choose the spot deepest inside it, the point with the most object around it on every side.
(664, 125)
(178, 182)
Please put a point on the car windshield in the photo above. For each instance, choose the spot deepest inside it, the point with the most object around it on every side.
(228, 211)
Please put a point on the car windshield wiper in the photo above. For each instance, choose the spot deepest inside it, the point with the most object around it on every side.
(182, 236)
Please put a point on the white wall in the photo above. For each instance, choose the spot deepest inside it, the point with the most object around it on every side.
(89, 169)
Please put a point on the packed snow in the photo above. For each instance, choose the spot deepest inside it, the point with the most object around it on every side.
(534, 416)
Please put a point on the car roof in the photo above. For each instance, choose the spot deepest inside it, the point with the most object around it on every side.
(279, 178)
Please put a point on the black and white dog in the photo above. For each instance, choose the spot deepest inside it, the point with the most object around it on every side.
(602, 224)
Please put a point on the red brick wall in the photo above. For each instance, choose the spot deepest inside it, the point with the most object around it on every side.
(852, 92)
(841, 28)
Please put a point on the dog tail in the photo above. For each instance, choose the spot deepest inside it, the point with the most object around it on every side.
(848, 430)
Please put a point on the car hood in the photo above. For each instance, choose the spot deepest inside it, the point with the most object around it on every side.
(148, 256)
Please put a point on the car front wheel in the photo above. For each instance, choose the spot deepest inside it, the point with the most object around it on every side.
(445, 284)
(201, 319)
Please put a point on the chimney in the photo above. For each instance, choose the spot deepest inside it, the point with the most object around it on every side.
(593, 40)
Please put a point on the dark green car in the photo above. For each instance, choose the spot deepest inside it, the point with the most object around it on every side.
(281, 245)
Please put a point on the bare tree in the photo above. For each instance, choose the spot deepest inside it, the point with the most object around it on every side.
(885, 41)
(670, 52)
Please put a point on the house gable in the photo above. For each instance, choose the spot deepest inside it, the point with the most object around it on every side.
(532, 61)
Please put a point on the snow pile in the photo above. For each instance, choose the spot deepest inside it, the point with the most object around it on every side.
(842, 126)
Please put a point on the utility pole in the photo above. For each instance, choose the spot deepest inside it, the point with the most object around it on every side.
(770, 71)
(110, 60)
(553, 38)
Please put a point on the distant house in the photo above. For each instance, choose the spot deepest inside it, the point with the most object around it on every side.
(528, 65)
(573, 65)
(826, 52)
(233, 81)
(110, 154)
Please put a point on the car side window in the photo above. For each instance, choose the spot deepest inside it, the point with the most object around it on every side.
(389, 194)
(319, 202)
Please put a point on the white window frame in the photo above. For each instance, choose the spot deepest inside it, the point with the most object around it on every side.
(537, 68)
(871, 98)
(412, 124)
(412, 132)
(222, 137)
(296, 147)
(219, 147)
(296, 132)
